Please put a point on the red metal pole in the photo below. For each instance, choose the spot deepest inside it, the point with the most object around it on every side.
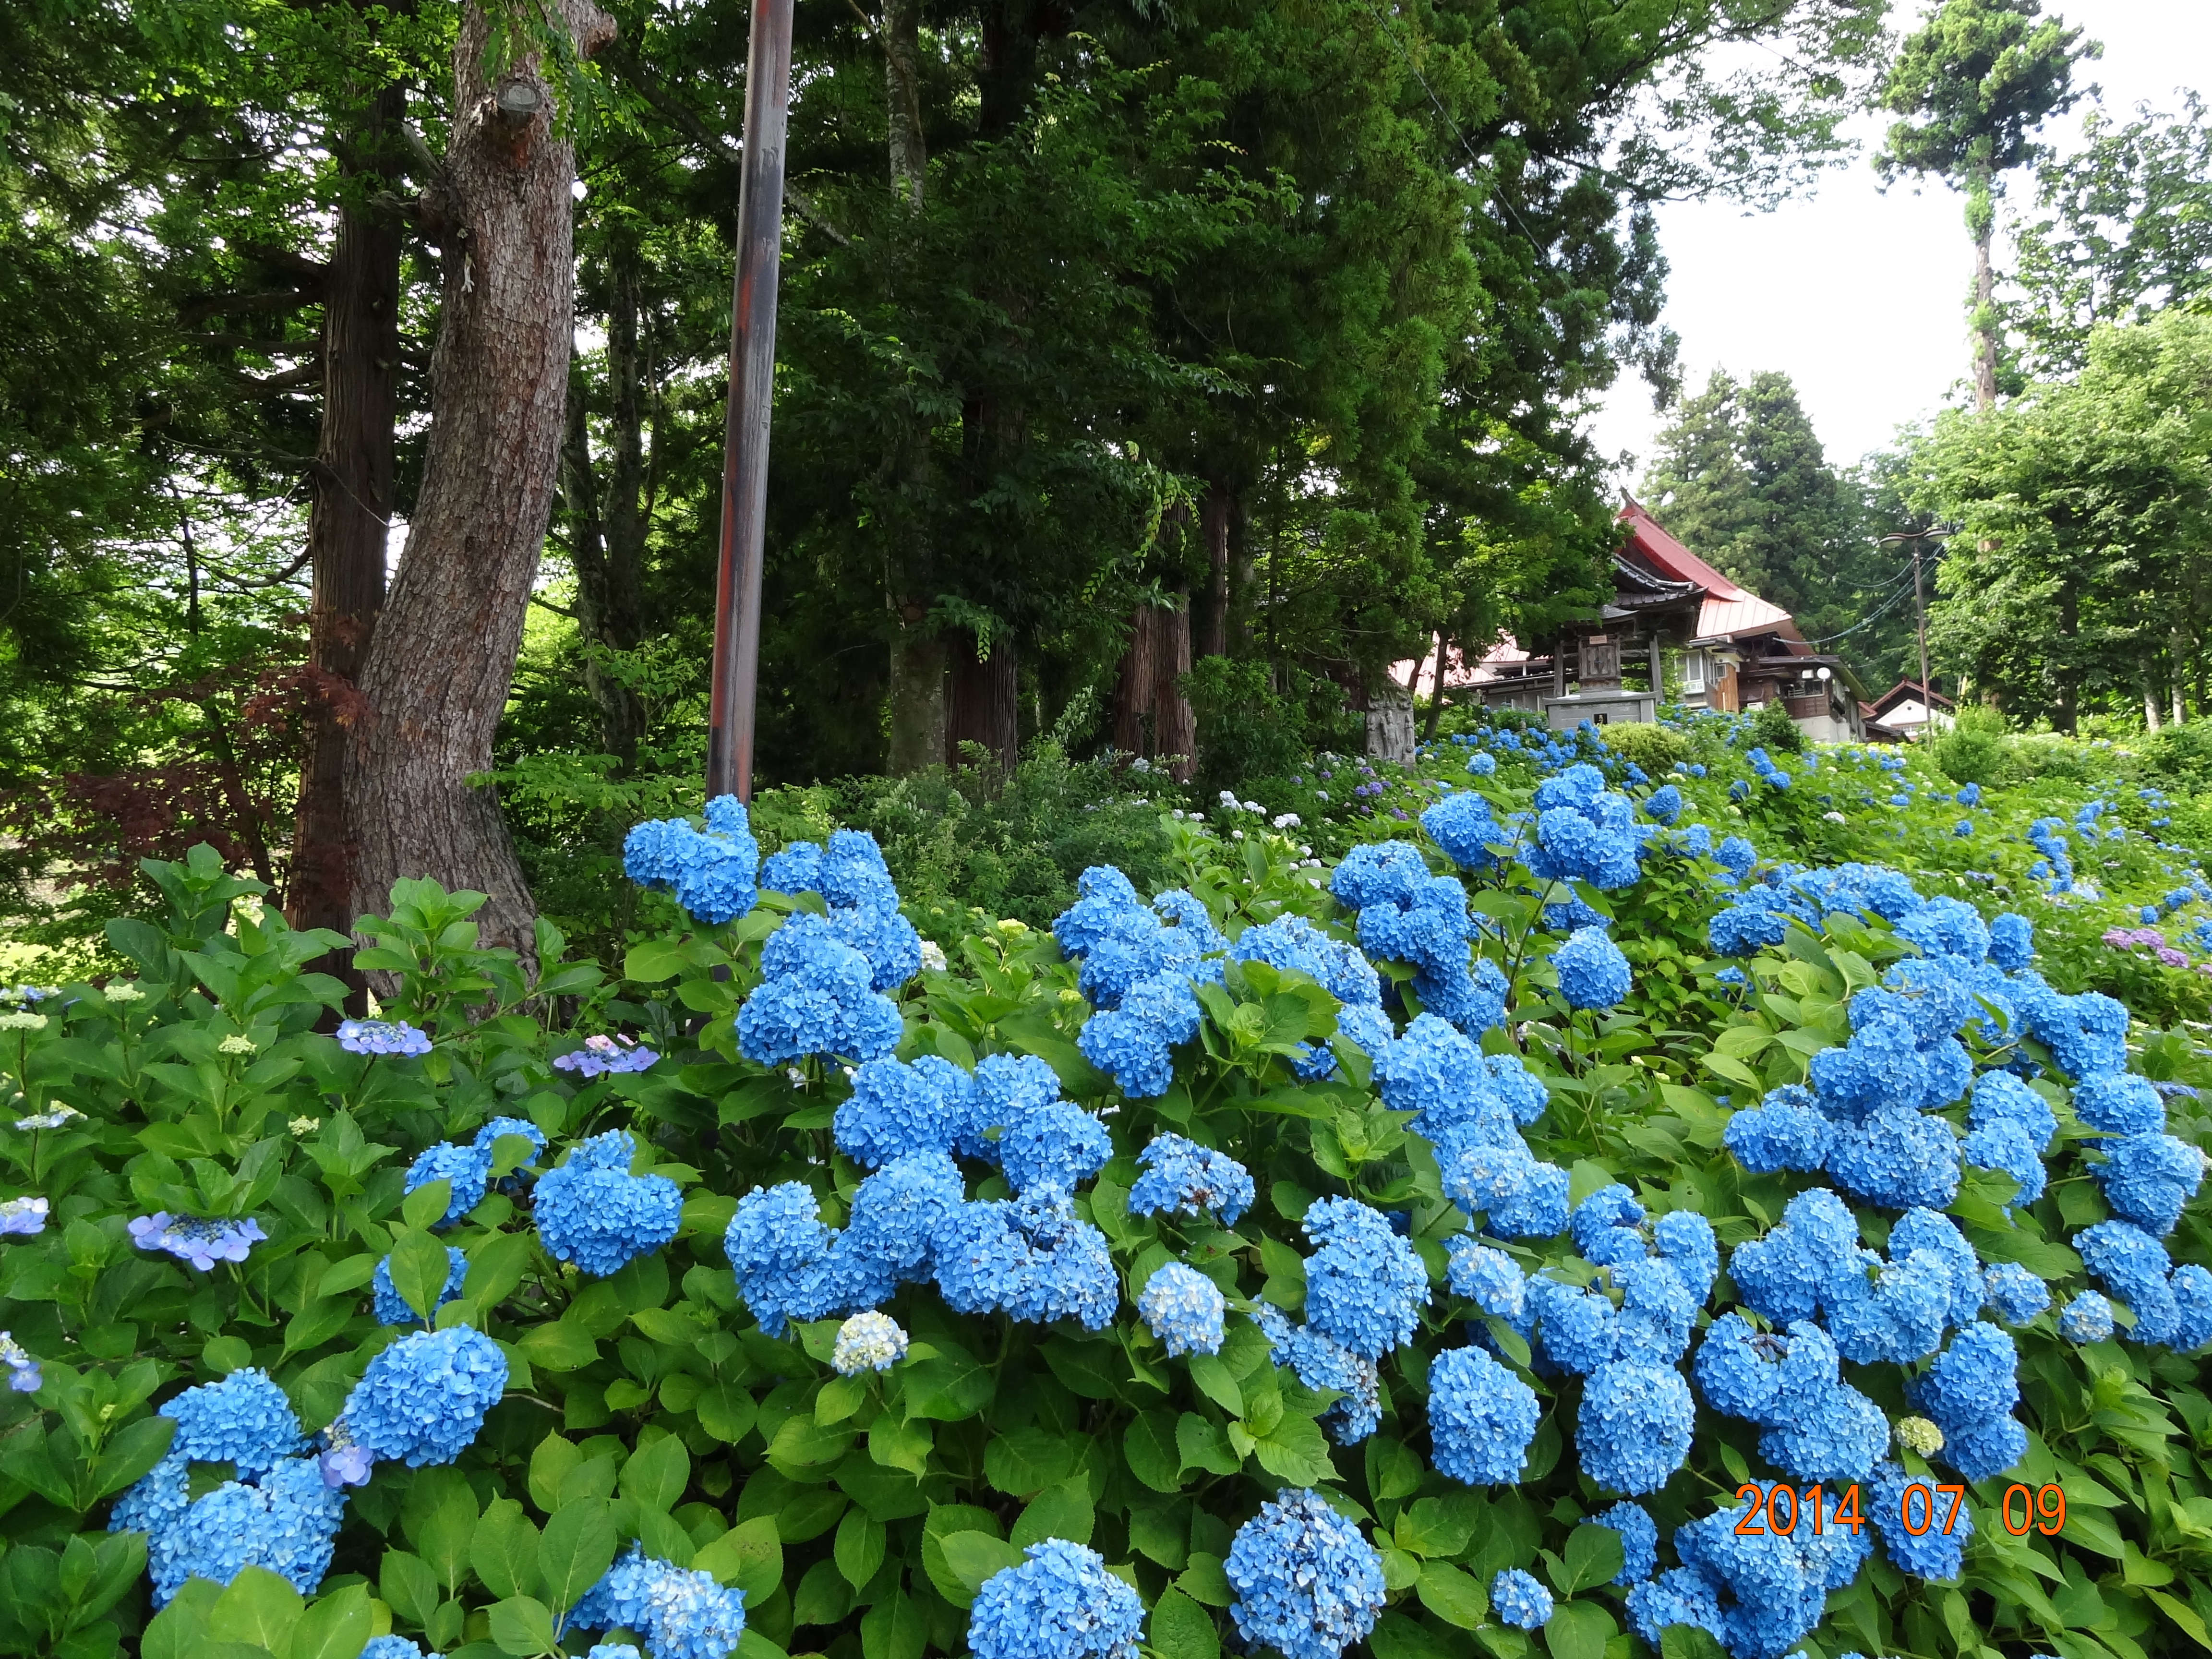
(752, 384)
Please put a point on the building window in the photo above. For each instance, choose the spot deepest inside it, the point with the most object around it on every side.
(1693, 672)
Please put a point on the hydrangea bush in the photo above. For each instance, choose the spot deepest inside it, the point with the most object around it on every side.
(1564, 1227)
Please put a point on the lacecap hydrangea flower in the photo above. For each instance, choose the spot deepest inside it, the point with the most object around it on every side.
(1184, 1309)
(1059, 1603)
(422, 1400)
(22, 1217)
(604, 1056)
(592, 1211)
(711, 873)
(382, 1036)
(681, 1613)
(25, 1374)
(198, 1242)
(1306, 1583)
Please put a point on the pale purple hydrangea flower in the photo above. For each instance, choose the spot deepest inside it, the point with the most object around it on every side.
(191, 1238)
(601, 1055)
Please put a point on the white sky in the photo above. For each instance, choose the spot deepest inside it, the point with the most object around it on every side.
(1859, 297)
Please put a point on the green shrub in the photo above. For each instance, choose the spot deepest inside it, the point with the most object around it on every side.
(1655, 748)
(1773, 729)
(1974, 750)
(1245, 730)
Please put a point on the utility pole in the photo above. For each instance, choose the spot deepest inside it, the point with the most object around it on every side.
(752, 385)
(1920, 607)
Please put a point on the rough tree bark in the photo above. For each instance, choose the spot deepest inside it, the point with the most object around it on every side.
(442, 659)
(607, 531)
(348, 515)
(983, 703)
(1981, 220)
(917, 655)
(1212, 639)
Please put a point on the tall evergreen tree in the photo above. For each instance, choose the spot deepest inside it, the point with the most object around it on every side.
(1974, 84)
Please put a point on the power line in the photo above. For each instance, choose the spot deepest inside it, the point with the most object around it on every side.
(1891, 604)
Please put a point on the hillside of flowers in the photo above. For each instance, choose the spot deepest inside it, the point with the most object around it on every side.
(1594, 1200)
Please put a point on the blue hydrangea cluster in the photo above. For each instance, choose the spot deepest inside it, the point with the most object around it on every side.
(790, 1265)
(1969, 1394)
(853, 881)
(1817, 1426)
(1060, 1602)
(2170, 1305)
(1632, 1429)
(1295, 944)
(897, 1107)
(393, 1309)
(593, 1211)
(1033, 1257)
(382, 1036)
(1406, 914)
(2009, 1127)
(468, 1168)
(1584, 831)
(1932, 1552)
(711, 871)
(1757, 1593)
(1481, 1418)
(1138, 962)
(1812, 1265)
(276, 1514)
(1518, 1599)
(1182, 1178)
(681, 1613)
(1488, 1278)
(2016, 1294)
(817, 998)
(1593, 973)
(2087, 1318)
(1184, 1309)
(1307, 1584)
(1463, 826)
(1365, 1287)
(1639, 1541)
(422, 1400)
(1321, 1364)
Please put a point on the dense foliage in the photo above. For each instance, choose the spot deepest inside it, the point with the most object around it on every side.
(1180, 1273)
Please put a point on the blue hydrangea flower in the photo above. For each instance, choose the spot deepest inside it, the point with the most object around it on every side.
(1969, 1394)
(1736, 856)
(2119, 1104)
(1818, 1427)
(2017, 1294)
(195, 1240)
(1186, 1179)
(2087, 1318)
(1899, 1159)
(1785, 1130)
(422, 1399)
(711, 873)
(1306, 1583)
(1489, 1277)
(2147, 1178)
(245, 1420)
(1765, 1590)
(1605, 1226)
(1482, 764)
(382, 1036)
(25, 1374)
(1664, 805)
(1481, 1418)
(1365, 1287)
(1932, 1553)
(1406, 915)
(1058, 1145)
(1321, 1364)
(2086, 1035)
(285, 1520)
(1593, 973)
(1462, 826)
(818, 997)
(491, 1131)
(1947, 927)
(393, 1309)
(1584, 831)
(1632, 1428)
(2012, 942)
(1059, 1603)
(469, 1170)
(1518, 1599)
(398, 1647)
(850, 874)
(1292, 943)
(1031, 1256)
(682, 1614)
(604, 1056)
(1183, 1307)
(896, 1107)
(1132, 1043)
(785, 1259)
(1639, 1541)
(593, 1211)
(1502, 1182)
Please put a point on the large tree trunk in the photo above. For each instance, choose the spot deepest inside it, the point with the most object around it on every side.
(442, 660)
(1212, 639)
(1174, 721)
(984, 705)
(348, 517)
(917, 664)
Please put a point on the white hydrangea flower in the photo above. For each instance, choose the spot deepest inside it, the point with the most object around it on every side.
(867, 1342)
